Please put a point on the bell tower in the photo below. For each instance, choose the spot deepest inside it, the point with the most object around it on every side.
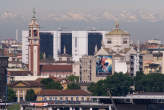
(34, 46)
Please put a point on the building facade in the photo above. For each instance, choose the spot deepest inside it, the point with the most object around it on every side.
(77, 43)
(3, 78)
(117, 39)
(64, 95)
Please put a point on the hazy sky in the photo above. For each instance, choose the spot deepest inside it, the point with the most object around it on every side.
(144, 19)
(59, 5)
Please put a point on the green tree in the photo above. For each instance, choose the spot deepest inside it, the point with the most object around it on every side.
(73, 86)
(30, 95)
(119, 84)
(49, 83)
(46, 81)
(11, 95)
(73, 82)
(153, 82)
(73, 78)
(98, 89)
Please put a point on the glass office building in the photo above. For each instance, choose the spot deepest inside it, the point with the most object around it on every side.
(66, 42)
(46, 44)
(93, 40)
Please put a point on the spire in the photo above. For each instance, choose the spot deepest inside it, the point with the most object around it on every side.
(138, 50)
(96, 49)
(34, 13)
(44, 55)
(64, 50)
(116, 25)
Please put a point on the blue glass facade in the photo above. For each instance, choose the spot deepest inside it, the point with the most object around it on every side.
(66, 41)
(93, 40)
(46, 44)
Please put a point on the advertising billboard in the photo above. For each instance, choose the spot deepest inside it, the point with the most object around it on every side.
(104, 65)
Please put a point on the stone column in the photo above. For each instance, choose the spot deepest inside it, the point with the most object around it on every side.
(23, 95)
(49, 108)
(18, 96)
(110, 107)
(70, 108)
(21, 108)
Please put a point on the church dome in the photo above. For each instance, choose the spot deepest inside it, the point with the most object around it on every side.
(117, 31)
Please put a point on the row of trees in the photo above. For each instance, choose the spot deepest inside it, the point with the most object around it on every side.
(72, 83)
(121, 84)
(48, 83)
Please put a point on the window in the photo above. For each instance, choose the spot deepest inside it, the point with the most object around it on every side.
(82, 99)
(68, 60)
(60, 59)
(50, 98)
(75, 42)
(29, 32)
(71, 98)
(77, 98)
(125, 41)
(44, 99)
(35, 33)
(109, 41)
(66, 98)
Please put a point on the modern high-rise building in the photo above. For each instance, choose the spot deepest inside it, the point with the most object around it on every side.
(66, 41)
(77, 43)
(46, 44)
(94, 40)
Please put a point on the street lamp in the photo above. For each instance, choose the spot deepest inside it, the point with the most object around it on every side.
(109, 94)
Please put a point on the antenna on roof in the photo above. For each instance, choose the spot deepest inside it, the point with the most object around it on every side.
(34, 13)
(138, 49)
(16, 34)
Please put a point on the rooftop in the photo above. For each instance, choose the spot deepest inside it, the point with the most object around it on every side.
(52, 92)
(117, 31)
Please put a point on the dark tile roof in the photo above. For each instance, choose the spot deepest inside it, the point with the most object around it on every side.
(28, 84)
(52, 92)
(56, 68)
(19, 73)
(150, 93)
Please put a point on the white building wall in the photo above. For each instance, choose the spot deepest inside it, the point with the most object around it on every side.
(28, 78)
(136, 63)
(56, 44)
(117, 42)
(120, 66)
(35, 60)
(81, 38)
(25, 44)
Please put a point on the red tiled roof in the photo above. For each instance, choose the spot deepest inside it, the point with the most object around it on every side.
(52, 92)
(56, 68)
